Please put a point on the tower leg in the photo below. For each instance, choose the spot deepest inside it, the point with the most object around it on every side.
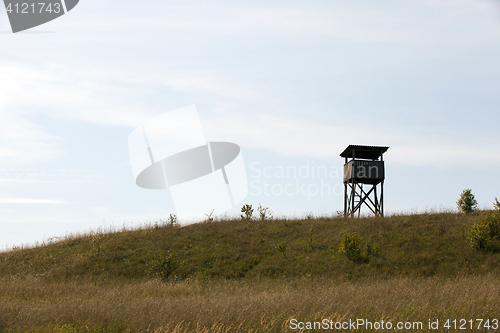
(382, 198)
(374, 202)
(353, 192)
(345, 199)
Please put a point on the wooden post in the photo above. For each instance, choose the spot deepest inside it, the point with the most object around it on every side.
(382, 197)
(345, 199)
(353, 192)
(345, 188)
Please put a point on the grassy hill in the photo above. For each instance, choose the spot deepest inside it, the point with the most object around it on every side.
(410, 246)
(214, 276)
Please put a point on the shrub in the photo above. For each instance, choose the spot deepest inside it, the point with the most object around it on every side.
(172, 220)
(497, 204)
(339, 214)
(350, 246)
(165, 265)
(484, 230)
(467, 202)
(247, 211)
(210, 217)
(264, 213)
(478, 235)
(353, 248)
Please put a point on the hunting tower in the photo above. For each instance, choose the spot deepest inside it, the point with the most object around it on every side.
(364, 165)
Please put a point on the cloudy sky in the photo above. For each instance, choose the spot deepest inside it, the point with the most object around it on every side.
(292, 82)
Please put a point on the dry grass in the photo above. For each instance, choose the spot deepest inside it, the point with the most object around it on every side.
(31, 305)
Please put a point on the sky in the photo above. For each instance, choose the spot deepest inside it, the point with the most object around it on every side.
(291, 82)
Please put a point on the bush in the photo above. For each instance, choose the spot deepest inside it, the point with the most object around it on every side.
(467, 202)
(497, 204)
(485, 230)
(210, 216)
(165, 265)
(264, 213)
(173, 221)
(247, 211)
(350, 246)
(353, 248)
(478, 235)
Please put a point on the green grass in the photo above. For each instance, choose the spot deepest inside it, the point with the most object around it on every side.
(408, 246)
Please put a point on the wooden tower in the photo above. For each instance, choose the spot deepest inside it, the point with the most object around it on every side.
(364, 165)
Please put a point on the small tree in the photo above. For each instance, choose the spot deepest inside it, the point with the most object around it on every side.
(264, 213)
(172, 221)
(467, 202)
(247, 211)
(497, 204)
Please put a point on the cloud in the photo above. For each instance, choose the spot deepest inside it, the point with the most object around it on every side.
(123, 93)
(20, 180)
(405, 22)
(300, 137)
(66, 94)
(23, 142)
(30, 201)
(108, 97)
(45, 176)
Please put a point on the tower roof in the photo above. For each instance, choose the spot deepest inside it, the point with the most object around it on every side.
(364, 152)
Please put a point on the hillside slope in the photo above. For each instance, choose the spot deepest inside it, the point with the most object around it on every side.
(406, 246)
